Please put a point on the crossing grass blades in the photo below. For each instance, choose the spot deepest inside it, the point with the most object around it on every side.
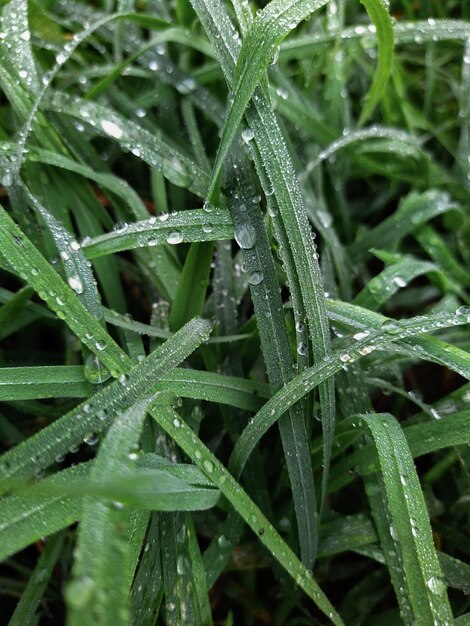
(234, 309)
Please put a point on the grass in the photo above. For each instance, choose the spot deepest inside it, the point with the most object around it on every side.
(234, 308)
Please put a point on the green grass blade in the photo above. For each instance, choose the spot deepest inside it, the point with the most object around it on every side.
(424, 598)
(40, 450)
(102, 552)
(177, 227)
(216, 472)
(310, 378)
(26, 517)
(380, 17)
(31, 597)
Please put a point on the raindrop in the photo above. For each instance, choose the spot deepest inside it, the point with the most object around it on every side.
(79, 592)
(208, 206)
(361, 335)
(302, 348)
(255, 278)
(245, 236)
(344, 358)
(175, 237)
(399, 282)
(112, 129)
(76, 284)
(95, 372)
(436, 585)
(247, 135)
(208, 466)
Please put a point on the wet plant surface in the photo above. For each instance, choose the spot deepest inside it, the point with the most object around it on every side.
(234, 309)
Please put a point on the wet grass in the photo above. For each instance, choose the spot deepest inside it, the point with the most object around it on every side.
(234, 308)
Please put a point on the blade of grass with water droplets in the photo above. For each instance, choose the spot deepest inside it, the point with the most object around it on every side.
(33, 267)
(68, 381)
(102, 552)
(271, 26)
(171, 422)
(264, 287)
(40, 450)
(155, 151)
(177, 227)
(422, 439)
(425, 347)
(380, 17)
(272, 158)
(394, 277)
(26, 517)
(414, 210)
(313, 376)
(414, 32)
(16, 43)
(424, 598)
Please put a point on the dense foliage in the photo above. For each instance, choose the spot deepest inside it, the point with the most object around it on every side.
(234, 308)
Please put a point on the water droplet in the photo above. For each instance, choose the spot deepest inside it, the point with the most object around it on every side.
(79, 592)
(26, 35)
(391, 327)
(245, 236)
(95, 372)
(207, 227)
(91, 439)
(112, 129)
(344, 358)
(176, 422)
(100, 345)
(399, 282)
(361, 335)
(436, 585)
(247, 135)
(76, 284)
(208, 465)
(255, 278)
(175, 237)
(302, 348)
(208, 206)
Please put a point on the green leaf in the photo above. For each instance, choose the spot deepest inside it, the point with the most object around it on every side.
(380, 17)
(424, 596)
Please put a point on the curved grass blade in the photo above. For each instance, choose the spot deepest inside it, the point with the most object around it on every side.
(424, 598)
(310, 378)
(429, 348)
(394, 277)
(415, 32)
(178, 227)
(171, 422)
(154, 150)
(40, 450)
(33, 268)
(28, 516)
(421, 439)
(380, 17)
(414, 210)
(102, 553)
(260, 43)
